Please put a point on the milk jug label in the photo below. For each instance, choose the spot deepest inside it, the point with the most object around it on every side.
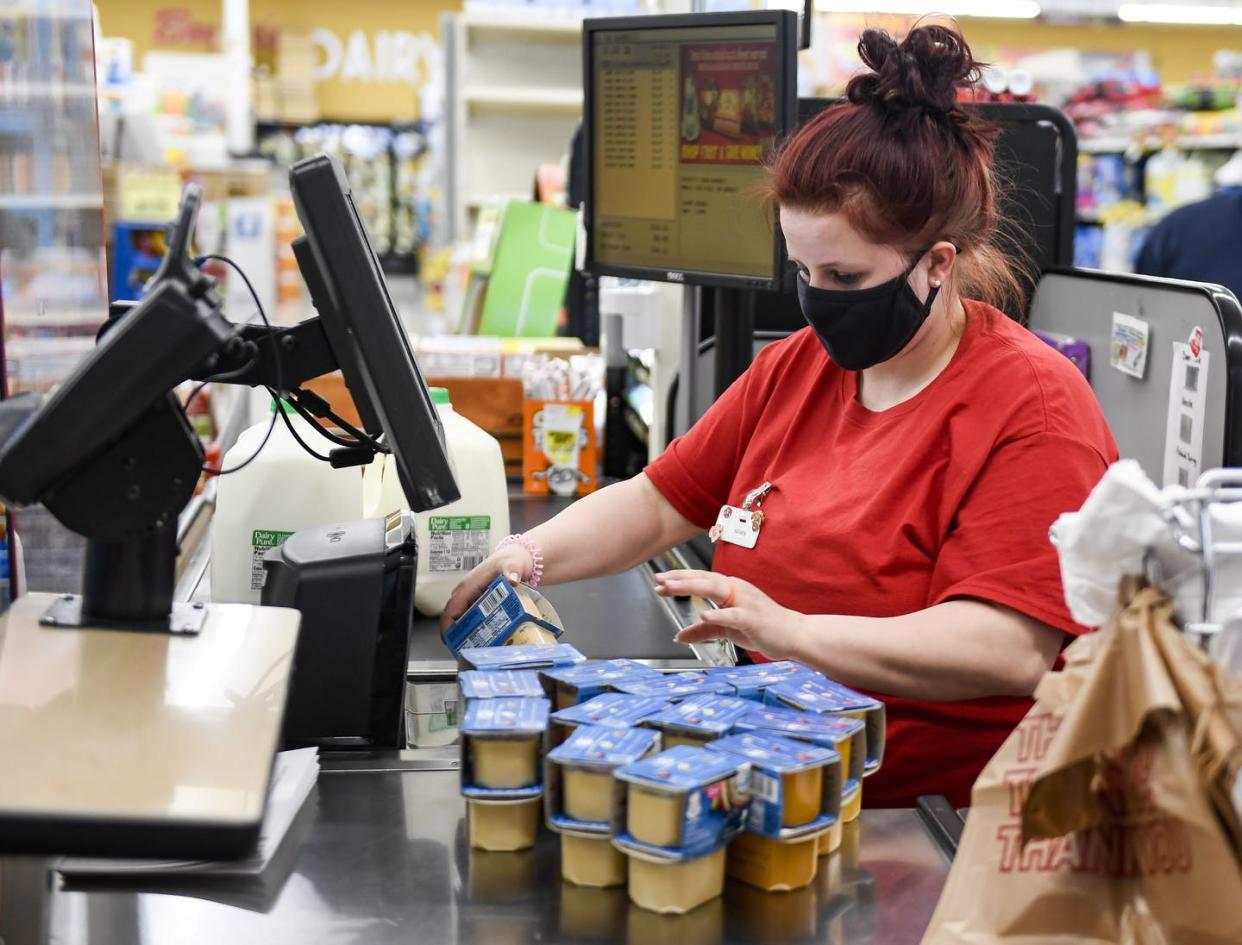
(457, 542)
(261, 540)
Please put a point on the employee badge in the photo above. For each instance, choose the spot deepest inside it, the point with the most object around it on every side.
(740, 526)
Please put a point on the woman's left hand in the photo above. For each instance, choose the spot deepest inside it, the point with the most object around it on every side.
(746, 615)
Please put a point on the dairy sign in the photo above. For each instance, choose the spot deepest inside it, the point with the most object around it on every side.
(383, 57)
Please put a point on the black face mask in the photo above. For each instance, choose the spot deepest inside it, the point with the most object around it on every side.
(861, 328)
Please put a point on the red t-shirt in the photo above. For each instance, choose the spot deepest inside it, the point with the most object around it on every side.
(947, 495)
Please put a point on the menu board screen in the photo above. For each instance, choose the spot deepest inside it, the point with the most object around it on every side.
(682, 123)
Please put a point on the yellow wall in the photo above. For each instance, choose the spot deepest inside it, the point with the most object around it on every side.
(193, 26)
(1179, 53)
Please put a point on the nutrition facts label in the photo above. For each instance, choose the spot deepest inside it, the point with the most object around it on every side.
(458, 542)
(261, 539)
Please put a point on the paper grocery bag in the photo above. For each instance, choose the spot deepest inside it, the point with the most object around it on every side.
(1106, 816)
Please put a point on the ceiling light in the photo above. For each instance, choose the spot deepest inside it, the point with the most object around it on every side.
(1002, 9)
(1196, 14)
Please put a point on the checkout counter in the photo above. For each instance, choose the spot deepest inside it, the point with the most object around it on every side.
(380, 852)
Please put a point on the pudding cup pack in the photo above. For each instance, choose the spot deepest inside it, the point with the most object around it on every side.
(795, 787)
(820, 695)
(504, 615)
(612, 708)
(590, 859)
(698, 720)
(519, 656)
(681, 803)
(504, 825)
(578, 774)
(502, 684)
(773, 865)
(672, 686)
(844, 735)
(502, 746)
(569, 685)
(502, 743)
(749, 682)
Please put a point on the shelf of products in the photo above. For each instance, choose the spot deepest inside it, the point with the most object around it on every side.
(384, 164)
(53, 283)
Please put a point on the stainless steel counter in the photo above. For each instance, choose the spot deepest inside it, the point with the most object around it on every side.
(382, 858)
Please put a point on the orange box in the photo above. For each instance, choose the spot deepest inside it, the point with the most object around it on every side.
(559, 454)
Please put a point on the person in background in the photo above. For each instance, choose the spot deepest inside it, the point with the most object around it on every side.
(917, 443)
(1202, 241)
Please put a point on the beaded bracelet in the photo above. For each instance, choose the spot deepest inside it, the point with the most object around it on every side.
(536, 556)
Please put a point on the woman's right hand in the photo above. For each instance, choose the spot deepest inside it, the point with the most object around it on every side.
(513, 561)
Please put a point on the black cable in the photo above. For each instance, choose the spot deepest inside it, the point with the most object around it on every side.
(294, 433)
(308, 414)
(319, 428)
(280, 386)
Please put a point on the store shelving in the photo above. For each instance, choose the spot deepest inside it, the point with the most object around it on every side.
(497, 132)
(534, 100)
(521, 26)
(1118, 144)
(51, 202)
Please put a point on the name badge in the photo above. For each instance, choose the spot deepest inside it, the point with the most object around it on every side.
(737, 526)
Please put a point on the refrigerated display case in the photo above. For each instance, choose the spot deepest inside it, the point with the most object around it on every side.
(53, 282)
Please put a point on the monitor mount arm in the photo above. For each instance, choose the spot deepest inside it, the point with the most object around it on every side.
(110, 453)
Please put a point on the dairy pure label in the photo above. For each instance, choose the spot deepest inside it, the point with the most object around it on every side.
(458, 542)
(261, 540)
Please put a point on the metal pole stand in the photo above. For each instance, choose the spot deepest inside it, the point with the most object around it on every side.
(25, 900)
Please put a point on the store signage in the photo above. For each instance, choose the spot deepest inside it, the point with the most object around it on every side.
(387, 56)
(179, 28)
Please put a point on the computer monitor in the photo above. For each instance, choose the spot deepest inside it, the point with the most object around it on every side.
(348, 289)
(681, 114)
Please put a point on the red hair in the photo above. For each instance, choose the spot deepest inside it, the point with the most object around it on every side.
(905, 162)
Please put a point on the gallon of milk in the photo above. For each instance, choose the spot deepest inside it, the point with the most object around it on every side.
(455, 538)
(283, 490)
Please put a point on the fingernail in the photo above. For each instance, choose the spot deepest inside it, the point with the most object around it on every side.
(513, 576)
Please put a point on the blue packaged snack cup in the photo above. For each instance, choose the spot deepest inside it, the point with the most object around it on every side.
(502, 742)
(795, 787)
(817, 694)
(683, 803)
(697, 720)
(578, 774)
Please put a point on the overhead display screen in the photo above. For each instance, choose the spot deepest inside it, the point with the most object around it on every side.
(682, 122)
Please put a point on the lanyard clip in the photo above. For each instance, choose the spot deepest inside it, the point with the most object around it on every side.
(756, 495)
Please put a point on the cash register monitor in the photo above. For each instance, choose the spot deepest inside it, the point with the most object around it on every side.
(347, 287)
(681, 113)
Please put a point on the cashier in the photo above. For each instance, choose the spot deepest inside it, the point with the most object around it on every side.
(917, 442)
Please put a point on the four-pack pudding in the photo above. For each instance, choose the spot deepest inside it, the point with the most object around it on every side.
(697, 720)
(818, 694)
(611, 708)
(569, 685)
(501, 771)
(749, 682)
(504, 615)
(520, 656)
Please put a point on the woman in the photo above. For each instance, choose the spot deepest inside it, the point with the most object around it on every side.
(918, 442)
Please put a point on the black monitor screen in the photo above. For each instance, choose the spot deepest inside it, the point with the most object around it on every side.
(682, 112)
(349, 290)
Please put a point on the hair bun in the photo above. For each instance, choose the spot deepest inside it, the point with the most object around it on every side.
(923, 71)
